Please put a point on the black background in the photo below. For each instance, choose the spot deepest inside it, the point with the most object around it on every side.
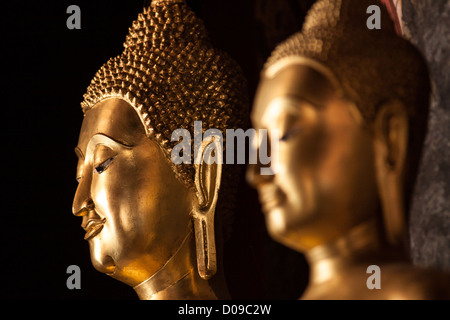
(46, 69)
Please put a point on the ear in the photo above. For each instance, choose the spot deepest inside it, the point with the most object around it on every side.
(208, 174)
(391, 130)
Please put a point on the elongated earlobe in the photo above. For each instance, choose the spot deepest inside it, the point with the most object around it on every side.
(207, 184)
(390, 146)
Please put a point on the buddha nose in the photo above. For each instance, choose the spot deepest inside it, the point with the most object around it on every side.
(254, 177)
(251, 175)
(254, 174)
(82, 201)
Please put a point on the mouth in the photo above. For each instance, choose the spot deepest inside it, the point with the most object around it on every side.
(270, 198)
(93, 227)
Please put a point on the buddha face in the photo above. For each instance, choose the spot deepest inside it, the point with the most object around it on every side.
(134, 210)
(324, 182)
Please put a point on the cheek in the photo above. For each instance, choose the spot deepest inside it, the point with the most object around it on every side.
(346, 170)
(115, 194)
(300, 162)
(162, 201)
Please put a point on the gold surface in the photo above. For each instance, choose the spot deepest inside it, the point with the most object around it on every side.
(350, 133)
(135, 211)
(154, 225)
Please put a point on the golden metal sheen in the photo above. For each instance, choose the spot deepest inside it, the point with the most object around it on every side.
(154, 225)
(351, 108)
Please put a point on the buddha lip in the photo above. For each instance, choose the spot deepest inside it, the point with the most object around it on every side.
(93, 227)
(269, 205)
(270, 198)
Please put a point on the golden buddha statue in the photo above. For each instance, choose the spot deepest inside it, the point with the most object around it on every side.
(350, 107)
(150, 223)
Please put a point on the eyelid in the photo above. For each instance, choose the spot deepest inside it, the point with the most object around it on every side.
(103, 153)
(106, 162)
(103, 156)
(101, 139)
(290, 132)
(104, 165)
(290, 124)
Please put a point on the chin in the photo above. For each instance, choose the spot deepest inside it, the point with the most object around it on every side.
(277, 224)
(106, 266)
(287, 228)
(101, 262)
(285, 236)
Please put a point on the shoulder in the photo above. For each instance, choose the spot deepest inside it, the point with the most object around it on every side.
(403, 281)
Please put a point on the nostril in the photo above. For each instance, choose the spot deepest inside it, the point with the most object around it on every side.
(85, 208)
(82, 212)
(257, 174)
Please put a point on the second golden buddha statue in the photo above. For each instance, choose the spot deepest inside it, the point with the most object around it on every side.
(350, 105)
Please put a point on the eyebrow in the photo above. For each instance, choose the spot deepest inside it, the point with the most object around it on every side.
(276, 105)
(120, 142)
(301, 99)
(81, 155)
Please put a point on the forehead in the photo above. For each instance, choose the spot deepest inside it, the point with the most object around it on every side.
(114, 118)
(293, 80)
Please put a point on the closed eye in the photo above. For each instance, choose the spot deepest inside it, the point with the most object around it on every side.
(290, 133)
(104, 165)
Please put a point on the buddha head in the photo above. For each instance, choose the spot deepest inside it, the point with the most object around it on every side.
(145, 215)
(350, 106)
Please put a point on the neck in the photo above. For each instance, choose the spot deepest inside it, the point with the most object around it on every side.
(178, 279)
(328, 261)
